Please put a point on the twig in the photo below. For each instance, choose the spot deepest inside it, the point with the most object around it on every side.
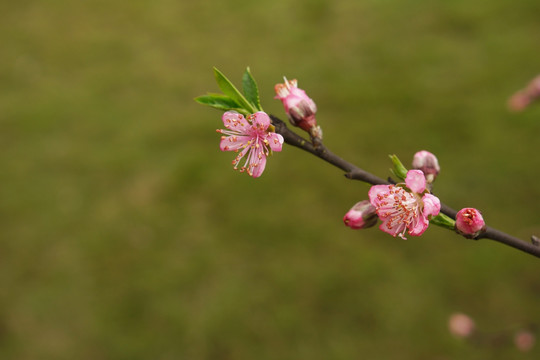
(353, 172)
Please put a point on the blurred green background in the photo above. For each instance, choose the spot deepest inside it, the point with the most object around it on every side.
(127, 235)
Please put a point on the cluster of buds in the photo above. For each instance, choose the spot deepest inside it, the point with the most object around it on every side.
(523, 98)
(403, 208)
(407, 208)
(299, 107)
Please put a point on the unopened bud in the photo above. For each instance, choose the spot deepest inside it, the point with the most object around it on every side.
(428, 163)
(470, 223)
(361, 216)
(461, 325)
(299, 107)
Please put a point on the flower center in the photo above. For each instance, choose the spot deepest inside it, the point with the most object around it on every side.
(400, 207)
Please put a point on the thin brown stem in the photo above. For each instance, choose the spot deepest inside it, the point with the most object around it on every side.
(353, 172)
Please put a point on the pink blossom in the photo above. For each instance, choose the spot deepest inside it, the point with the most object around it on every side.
(299, 107)
(361, 216)
(524, 340)
(523, 98)
(251, 137)
(519, 101)
(470, 223)
(461, 325)
(405, 207)
(428, 163)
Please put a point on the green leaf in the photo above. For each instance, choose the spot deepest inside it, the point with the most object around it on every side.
(399, 170)
(219, 101)
(230, 90)
(251, 91)
(222, 102)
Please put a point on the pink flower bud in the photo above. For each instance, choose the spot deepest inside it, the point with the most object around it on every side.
(524, 340)
(299, 107)
(470, 223)
(361, 216)
(428, 163)
(461, 325)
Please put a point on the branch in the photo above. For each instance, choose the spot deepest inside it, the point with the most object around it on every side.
(353, 172)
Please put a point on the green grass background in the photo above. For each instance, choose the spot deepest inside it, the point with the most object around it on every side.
(125, 234)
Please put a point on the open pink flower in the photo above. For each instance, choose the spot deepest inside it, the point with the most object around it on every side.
(251, 138)
(405, 207)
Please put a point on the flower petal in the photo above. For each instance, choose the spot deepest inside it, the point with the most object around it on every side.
(233, 142)
(261, 119)
(353, 219)
(416, 181)
(299, 93)
(432, 205)
(258, 167)
(392, 230)
(375, 191)
(419, 225)
(291, 102)
(275, 141)
(235, 121)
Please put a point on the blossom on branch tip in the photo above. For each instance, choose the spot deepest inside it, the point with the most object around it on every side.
(428, 163)
(405, 207)
(249, 137)
(299, 107)
(361, 216)
(470, 223)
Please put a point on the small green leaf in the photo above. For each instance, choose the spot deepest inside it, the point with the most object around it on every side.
(251, 91)
(399, 170)
(222, 102)
(443, 221)
(230, 90)
(218, 101)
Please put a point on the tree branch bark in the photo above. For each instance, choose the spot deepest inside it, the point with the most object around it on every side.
(353, 172)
